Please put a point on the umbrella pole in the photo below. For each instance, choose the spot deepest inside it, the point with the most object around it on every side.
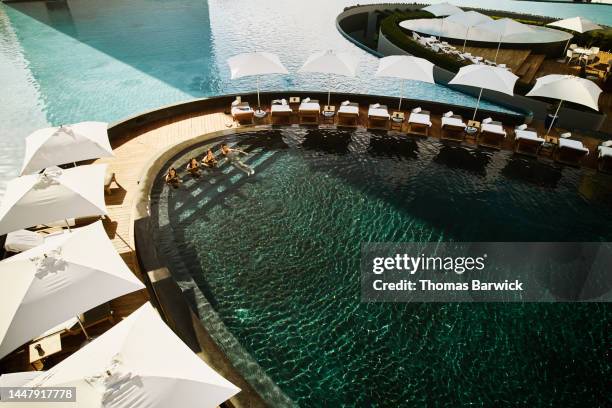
(465, 39)
(441, 29)
(258, 102)
(67, 224)
(399, 107)
(83, 328)
(552, 122)
(498, 45)
(328, 90)
(566, 45)
(477, 105)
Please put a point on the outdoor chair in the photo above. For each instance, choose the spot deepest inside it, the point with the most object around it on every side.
(492, 134)
(452, 127)
(570, 152)
(378, 116)
(242, 112)
(419, 122)
(279, 111)
(604, 160)
(348, 113)
(527, 141)
(309, 111)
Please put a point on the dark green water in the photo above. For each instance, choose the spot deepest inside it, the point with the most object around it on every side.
(277, 256)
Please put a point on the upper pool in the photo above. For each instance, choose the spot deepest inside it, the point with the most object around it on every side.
(73, 60)
(274, 259)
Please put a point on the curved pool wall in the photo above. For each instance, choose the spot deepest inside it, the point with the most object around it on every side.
(360, 25)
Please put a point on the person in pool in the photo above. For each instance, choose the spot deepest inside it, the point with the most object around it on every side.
(232, 155)
(172, 177)
(209, 160)
(193, 167)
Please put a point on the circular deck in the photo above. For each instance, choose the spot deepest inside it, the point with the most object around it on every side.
(453, 31)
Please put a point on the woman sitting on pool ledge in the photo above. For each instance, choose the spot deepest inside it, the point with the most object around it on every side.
(172, 177)
(193, 167)
(232, 156)
(209, 160)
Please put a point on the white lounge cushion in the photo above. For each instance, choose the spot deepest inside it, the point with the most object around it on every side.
(306, 100)
(566, 135)
(378, 112)
(528, 134)
(241, 109)
(420, 118)
(522, 127)
(417, 109)
(487, 120)
(448, 114)
(375, 106)
(572, 144)
(607, 143)
(448, 121)
(280, 108)
(345, 103)
(493, 128)
(605, 151)
(22, 240)
(310, 106)
(352, 109)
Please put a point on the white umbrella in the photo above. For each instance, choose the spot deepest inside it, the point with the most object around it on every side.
(576, 24)
(485, 77)
(566, 88)
(405, 67)
(468, 19)
(331, 62)
(504, 27)
(57, 280)
(139, 363)
(18, 379)
(53, 195)
(255, 64)
(442, 9)
(66, 144)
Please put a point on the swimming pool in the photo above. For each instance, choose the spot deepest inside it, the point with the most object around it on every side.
(68, 61)
(271, 261)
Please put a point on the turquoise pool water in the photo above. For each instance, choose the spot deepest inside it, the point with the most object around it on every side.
(274, 259)
(73, 60)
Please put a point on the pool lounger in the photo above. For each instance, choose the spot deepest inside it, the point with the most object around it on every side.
(242, 113)
(452, 127)
(378, 116)
(492, 134)
(570, 152)
(604, 160)
(419, 122)
(527, 142)
(309, 111)
(348, 113)
(280, 111)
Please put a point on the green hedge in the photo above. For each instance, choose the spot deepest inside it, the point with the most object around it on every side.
(390, 28)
